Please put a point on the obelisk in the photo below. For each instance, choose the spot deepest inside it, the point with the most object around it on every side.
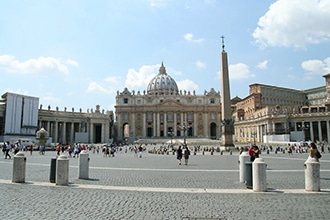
(227, 123)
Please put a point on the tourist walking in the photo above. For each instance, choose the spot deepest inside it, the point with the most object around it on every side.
(186, 155)
(8, 148)
(179, 155)
(31, 149)
(58, 149)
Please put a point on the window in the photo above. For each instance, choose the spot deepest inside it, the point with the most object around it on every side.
(125, 100)
(149, 116)
(169, 116)
(126, 117)
(212, 101)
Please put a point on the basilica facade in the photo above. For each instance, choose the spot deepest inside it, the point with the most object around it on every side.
(164, 111)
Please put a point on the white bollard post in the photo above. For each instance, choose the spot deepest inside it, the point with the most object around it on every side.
(312, 175)
(244, 157)
(259, 175)
(19, 167)
(62, 170)
(83, 165)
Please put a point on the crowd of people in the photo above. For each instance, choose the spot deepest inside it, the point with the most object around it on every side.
(182, 152)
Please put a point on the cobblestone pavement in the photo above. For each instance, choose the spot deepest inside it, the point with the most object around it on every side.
(156, 187)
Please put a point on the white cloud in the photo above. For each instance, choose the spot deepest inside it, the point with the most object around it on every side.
(50, 98)
(40, 65)
(157, 3)
(187, 85)
(239, 71)
(294, 23)
(262, 65)
(95, 87)
(317, 66)
(140, 79)
(190, 37)
(115, 80)
(200, 64)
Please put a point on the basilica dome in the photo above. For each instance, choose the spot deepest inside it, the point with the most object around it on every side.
(162, 84)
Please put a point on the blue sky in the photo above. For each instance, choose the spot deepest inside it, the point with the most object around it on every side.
(78, 54)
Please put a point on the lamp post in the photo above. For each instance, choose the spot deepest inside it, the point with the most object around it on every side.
(254, 134)
(304, 128)
(171, 135)
(184, 127)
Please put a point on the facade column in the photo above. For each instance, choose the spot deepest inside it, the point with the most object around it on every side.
(165, 124)
(195, 125)
(144, 125)
(158, 124)
(154, 127)
(132, 127)
(175, 123)
(206, 126)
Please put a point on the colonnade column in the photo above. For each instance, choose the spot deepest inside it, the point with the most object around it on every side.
(47, 127)
(311, 130)
(63, 132)
(56, 132)
(320, 131)
(72, 132)
(103, 133)
(328, 131)
(91, 130)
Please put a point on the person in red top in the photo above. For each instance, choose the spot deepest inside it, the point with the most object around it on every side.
(251, 153)
(58, 149)
(31, 149)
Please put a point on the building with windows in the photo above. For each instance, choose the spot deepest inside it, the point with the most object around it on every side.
(164, 110)
(21, 118)
(274, 114)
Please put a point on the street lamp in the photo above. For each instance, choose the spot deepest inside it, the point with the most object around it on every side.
(304, 127)
(254, 134)
(171, 135)
(184, 127)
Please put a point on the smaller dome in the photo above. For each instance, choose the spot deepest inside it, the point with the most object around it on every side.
(162, 83)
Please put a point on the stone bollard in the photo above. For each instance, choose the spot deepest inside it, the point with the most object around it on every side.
(62, 170)
(244, 157)
(312, 175)
(259, 175)
(19, 167)
(248, 175)
(83, 166)
(52, 173)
